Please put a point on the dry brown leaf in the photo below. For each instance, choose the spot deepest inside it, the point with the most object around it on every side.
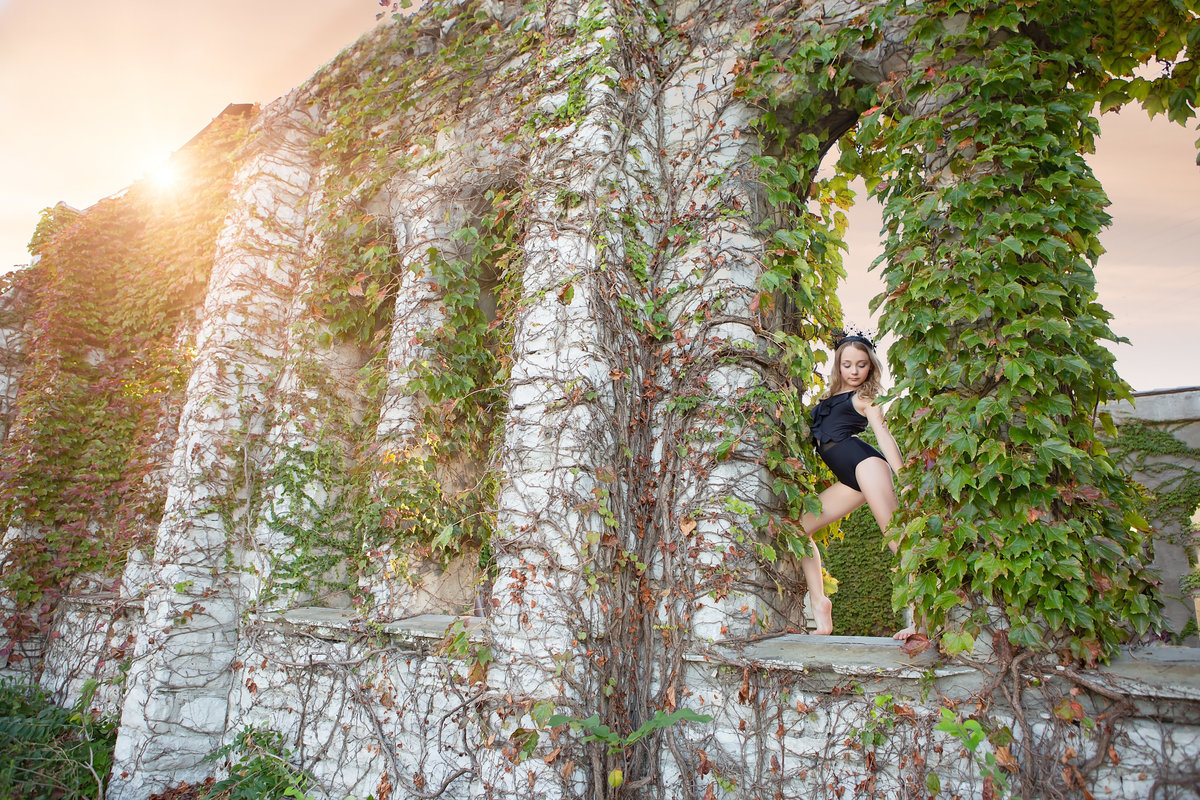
(915, 645)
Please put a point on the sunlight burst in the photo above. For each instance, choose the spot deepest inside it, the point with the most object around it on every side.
(164, 177)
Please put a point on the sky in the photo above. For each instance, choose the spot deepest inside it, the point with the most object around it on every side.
(94, 96)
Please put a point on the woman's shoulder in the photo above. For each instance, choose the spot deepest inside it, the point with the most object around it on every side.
(862, 404)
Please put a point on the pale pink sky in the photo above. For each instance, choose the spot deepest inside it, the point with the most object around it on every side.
(95, 95)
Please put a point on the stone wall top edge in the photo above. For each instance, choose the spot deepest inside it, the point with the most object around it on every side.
(336, 624)
(1169, 405)
(849, 656)
(1159, 392)
(1164, 672)
(1159, 671)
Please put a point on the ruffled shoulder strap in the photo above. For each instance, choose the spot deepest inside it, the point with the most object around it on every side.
(822, 410)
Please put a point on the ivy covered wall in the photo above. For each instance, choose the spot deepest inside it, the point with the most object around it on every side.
(99, 341)
(517, 310)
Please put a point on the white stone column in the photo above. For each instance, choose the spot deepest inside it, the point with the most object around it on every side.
(558, 457)
(179, 684)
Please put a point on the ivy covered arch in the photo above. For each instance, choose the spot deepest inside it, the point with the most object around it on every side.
(975, 148)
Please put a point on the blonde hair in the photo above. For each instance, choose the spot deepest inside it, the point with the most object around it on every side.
(871, 387)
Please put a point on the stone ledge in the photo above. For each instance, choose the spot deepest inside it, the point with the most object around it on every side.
(336, 624)
(850, 656)
(1166, 405)
(1160, 671)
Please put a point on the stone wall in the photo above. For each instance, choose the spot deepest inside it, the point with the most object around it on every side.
(1177, 545)
(627, 579)
(362, 710)
(391, 710)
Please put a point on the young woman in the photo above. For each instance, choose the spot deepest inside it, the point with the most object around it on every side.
(864, 474)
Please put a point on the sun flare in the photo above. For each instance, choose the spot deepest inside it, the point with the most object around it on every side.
(164, 177)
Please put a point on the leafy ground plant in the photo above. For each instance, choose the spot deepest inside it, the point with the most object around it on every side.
(595, 731)
(263, 769)
(47, 751)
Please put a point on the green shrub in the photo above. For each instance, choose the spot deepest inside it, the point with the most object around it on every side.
(263, 770)
(52, 753)
(862, 565)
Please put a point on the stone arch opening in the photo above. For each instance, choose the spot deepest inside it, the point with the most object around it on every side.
(855, 557)
(458, 244)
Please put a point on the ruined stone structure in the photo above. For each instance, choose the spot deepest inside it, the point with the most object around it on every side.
(626, 576)
(1176, 549)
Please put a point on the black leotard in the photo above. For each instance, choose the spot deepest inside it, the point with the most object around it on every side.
(835, 421)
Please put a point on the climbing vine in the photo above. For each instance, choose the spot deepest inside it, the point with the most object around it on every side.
(1174, 503)
(1014, 522)
(992, 215)
(433, 489)
(807, 98)
(105, 338)
(360, 500)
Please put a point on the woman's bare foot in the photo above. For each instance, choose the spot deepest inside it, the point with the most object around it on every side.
(909, 629)
(823, 612)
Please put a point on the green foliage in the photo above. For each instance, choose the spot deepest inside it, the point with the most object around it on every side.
(1175, 498)
(992, 218)
(864, 568)
(52, 753)
(1127, 36)
(1173, 468)
(435, 485)
(970, 732)
(796, 87)
(594, 730)
(386, 104)
(103, 370)
(356, 280)
(465, 373)
(327, 526)
(1191, 582)
(263, 769)
(1011, 499)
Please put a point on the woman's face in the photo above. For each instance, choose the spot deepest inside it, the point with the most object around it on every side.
(855, 366)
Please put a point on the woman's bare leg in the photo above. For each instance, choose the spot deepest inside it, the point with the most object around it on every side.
(836, 502)
(875, 478)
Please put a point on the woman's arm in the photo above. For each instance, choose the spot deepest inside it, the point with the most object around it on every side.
(891, 451)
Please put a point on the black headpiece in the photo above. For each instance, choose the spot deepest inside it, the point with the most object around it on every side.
(854, 337)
